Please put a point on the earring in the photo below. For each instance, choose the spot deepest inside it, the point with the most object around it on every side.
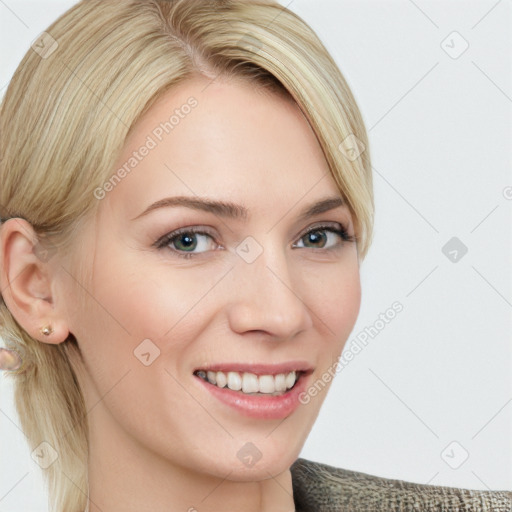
(47, 330)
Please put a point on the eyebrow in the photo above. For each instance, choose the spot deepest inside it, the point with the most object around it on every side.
(235, 211)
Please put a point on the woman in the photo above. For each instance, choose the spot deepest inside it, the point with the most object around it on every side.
(186, 200)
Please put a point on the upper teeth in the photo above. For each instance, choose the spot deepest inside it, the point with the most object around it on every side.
(249, 382)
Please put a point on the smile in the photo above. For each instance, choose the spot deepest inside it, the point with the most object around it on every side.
(258, 390)
(250, 383)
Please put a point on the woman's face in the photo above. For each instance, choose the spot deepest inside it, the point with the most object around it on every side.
(248, 294)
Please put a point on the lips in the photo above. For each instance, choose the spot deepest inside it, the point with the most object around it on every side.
(254, 379)
(261, 405)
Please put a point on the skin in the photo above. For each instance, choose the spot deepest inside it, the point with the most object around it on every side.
(158, 440)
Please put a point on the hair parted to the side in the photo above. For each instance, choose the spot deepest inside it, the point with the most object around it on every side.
(64, 120)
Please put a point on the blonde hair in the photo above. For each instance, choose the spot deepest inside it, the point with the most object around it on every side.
(65, 117)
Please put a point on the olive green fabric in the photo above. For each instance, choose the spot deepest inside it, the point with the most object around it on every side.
(322, 488)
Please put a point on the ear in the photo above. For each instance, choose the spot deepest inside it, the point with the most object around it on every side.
(27, 282)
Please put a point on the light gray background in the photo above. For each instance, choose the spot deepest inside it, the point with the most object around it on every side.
(434, 385)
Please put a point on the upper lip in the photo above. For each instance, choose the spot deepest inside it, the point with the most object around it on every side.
(258, 368)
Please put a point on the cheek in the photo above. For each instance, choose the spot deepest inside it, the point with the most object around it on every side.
(348, 300)
(337, 304)
(135, 335)
(145, 322)
(149, 300)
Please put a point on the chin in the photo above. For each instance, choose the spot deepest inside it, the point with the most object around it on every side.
(250, 463)
(262, 470)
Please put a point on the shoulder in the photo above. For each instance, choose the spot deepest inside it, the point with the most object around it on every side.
(322, 488)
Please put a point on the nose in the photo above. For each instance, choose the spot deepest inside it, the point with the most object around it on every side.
(266, 298)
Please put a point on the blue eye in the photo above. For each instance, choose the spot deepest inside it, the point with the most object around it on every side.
(313, 236)
(185, 240)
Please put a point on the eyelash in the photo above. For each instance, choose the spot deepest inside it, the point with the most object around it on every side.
(164, 241)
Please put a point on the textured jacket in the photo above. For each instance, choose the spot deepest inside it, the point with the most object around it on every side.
(321, 488)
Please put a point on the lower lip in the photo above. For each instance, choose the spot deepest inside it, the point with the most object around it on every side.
(262, 407)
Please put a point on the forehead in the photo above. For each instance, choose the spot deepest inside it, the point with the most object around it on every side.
(221, 139)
